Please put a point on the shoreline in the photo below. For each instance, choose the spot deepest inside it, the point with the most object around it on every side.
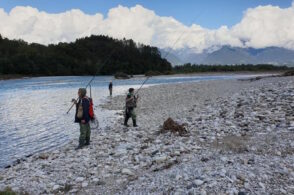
(209, 160)
(12, 77)
(15, 77)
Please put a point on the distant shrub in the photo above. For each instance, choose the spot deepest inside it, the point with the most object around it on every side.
(168, 73)
(289, 73)
(153, 73)
(121, 75)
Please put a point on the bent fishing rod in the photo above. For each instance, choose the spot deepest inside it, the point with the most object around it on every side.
(142, 85)
(94, 76)
(89, 83)
(168, 52)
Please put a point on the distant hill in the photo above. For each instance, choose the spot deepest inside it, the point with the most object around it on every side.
(86, 56)
(227, 55)
(172, 58)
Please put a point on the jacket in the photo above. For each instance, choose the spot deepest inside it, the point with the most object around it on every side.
(86, 104)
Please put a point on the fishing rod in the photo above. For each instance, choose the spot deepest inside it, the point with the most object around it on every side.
(163, 57)
(142, 84)
(147, 77)
(168, 52)
(94, 76)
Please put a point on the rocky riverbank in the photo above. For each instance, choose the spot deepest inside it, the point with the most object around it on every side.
(11, 76)
(240, 140)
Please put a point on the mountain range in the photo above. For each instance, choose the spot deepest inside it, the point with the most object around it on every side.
(228, 55)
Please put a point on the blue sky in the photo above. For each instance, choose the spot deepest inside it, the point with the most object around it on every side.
(207, 13)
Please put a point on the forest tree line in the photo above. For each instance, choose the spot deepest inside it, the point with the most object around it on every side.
(99, 55)
(194, 68)
(86, 56)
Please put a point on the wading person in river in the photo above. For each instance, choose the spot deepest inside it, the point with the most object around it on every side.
(131, 104)
(82, 117)
(110, 88)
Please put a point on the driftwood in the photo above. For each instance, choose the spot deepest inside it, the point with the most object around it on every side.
(174, 127)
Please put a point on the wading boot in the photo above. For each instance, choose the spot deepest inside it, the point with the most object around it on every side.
(135, 123)
(126, 122)
(79, 147)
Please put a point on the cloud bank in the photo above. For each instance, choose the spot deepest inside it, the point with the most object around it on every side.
(260, 27)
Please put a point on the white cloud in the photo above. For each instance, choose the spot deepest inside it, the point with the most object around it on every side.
(262, 26)
(266, 26)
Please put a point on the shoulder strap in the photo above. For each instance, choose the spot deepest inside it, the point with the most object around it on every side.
(87, 98)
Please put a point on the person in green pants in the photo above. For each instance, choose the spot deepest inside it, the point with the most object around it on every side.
(82, 117)
(131, 104)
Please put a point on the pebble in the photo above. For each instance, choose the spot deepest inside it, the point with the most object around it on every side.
(198, 182)
(80, 179)
(84, 184)
(56, 187)
(127, 172)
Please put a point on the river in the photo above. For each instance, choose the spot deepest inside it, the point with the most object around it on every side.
(33, 110)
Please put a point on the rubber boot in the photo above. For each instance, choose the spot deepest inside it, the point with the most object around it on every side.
(87, 142)
(126, 122)
(79, 147)
(134, 123)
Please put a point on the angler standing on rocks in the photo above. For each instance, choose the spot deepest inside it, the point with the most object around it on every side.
(82, 117)
(131, 104)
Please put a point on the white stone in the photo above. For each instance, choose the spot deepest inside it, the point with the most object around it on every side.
(56, 187)
(160, 159)
(127, 172)
(198, 182)
(80, 179)
(84, 184)
(261, 185)
(224, 159)
(178, 177)
(95, 179)
(203, 192)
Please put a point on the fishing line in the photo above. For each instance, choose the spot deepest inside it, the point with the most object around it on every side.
(108, 57)
(92, 79)
(181, 36)
(171, 48)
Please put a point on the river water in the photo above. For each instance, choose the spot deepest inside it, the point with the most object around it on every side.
(33, 111)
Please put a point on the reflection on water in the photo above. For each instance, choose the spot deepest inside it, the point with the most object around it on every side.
(33, 111)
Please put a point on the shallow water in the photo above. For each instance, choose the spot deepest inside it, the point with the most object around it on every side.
(33, 111)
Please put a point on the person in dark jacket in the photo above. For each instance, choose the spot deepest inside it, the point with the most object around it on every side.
(131, 104)
(82, 117)
(110, 88)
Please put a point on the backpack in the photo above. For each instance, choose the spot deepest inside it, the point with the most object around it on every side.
(91, 109)
(132, 103)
